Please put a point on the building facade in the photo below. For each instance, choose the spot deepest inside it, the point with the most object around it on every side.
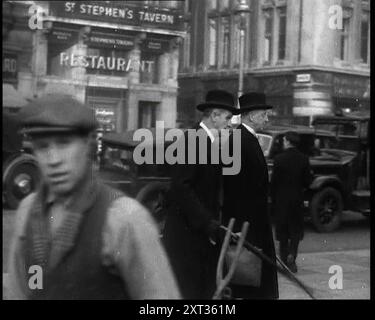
(308, 56)
(119, 57)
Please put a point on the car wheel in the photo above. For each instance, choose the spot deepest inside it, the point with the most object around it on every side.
(152, 197)
(326, 209)
(20, 178)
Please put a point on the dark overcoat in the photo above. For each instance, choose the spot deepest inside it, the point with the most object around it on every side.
(193, 202)
(245, 199)
(290, 177)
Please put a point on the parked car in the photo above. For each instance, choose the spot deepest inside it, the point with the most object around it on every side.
(334, 172)
(147, 183)
(353, 133)
(20, 169)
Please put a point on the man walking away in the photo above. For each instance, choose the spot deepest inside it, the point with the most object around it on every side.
(290, 177)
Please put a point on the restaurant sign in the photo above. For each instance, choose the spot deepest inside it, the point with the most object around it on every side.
(62, 35)
(112, 41)
(105, 63)
(117, 12)
(155, 45)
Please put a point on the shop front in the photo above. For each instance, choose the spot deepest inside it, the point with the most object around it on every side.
(108, 56)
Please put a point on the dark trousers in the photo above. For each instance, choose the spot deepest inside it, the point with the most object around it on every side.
(288, 247)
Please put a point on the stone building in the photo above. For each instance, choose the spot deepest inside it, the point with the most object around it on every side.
(119, 57)
(308, 56)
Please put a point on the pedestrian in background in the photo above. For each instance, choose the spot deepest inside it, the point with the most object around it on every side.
(89, 241)
(246, 195)
(192, 221)
(290, 177)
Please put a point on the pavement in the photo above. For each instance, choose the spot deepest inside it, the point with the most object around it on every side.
(313, 271)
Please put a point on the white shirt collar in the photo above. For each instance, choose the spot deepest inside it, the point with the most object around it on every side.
(212, 138)
(251, 130)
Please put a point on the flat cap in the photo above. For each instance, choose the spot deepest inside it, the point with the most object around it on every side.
(56, 113)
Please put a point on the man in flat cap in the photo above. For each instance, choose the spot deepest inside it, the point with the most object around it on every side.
(194, 204)
(245, 195)
(76, 238)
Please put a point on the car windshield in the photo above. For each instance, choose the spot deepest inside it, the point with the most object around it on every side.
(265, 143)
(116, 158)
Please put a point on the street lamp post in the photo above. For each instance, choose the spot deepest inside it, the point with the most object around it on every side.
(241, 13)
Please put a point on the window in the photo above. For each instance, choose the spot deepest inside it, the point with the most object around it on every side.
(169, 4)
(225, 40)
(224, 4)
(236, 43)
(154, 3)
(110, 59)
(149, 67)
(342, 46)
(212, 4)
(365, 39)
(147, 114)
(186, 47)
(282, 33)
(268, 31)
(212, 42)
(274, 28)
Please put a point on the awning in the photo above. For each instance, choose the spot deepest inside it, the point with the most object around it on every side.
(11, 97)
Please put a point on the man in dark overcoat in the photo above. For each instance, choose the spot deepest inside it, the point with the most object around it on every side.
(193, 204)
(291, 176)
(245, 195)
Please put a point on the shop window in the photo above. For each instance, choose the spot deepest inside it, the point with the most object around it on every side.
(212, 42)
(149, 67)
(282, 33)
(147, 114)
(225, 40)
(54, 64)
(107, 61)
(365, 39)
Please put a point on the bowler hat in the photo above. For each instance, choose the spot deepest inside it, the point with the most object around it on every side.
(56, 113)
(219, 99)
(253, 101)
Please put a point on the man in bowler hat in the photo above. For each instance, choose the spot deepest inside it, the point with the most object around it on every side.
(291, 175)
(245, 195)
(76, 238)
(193, 204)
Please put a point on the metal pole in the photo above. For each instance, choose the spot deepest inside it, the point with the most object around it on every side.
(240, 76)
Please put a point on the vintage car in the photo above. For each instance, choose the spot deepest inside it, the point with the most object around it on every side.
(334, 172)
(353, 133)
(147, 183)
(20, 170)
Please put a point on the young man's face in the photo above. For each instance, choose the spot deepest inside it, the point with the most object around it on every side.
(63, 160)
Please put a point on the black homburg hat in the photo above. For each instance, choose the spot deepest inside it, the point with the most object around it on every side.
(219, 99)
